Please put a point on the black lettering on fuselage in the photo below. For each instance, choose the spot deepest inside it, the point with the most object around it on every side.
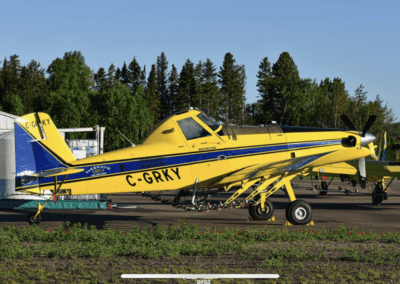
(157, 176)
(48, 121)
(127, 179)
(166, 175)
(147, 179)
(176, 172)
(44, 122)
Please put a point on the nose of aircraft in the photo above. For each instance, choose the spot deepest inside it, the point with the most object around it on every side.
(367, 139)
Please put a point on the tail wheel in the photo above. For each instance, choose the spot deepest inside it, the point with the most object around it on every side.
(299, 213)
(377, 195)
(324, 188)
(257, 214)
(32, 220)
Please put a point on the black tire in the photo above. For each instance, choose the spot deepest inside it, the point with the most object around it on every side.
(324, 188)
(377, 195)
(32, 221)
(299, 213)
(287, 211)
(256, 213)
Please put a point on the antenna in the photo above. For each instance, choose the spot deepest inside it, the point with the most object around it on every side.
(126, 138)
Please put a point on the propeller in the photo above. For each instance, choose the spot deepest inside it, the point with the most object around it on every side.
(366, 140)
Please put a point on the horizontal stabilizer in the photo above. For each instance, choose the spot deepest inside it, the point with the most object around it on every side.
(393, 169)
(58, 172)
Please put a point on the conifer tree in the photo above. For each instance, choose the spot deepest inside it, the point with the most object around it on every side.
(100, 79)
(232, 79)
(211, 92)
(124, 77)
(287, 86)
(143, 81)
(111, 77)
(162, 89)
(198, 97)
(153, 102)
(265, 90)
(173, 88)
(187, 87)
(135, 74)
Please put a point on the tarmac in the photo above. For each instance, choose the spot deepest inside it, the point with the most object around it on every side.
(354, 210)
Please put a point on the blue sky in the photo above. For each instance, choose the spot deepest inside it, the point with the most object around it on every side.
(357, 41)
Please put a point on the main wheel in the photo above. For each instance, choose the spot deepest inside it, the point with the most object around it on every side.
(257, 214)
(287, 211)
(299, 213)
(32, 220)
(377, 195)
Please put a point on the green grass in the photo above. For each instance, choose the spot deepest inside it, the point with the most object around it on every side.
(80, 241)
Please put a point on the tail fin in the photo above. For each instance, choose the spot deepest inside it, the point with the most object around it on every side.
(382, 148)
(38, 147)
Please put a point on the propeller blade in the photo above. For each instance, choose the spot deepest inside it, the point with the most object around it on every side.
(362, 173)
(368, 125)
(348, 122)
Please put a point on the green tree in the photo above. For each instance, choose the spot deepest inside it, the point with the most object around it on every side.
(198, 96)
(265, 85)
(16, 105)
(173, 88)
(232, 79)
(101, 79)
(111, 77)
(135, 75)
(143, 81)
(124, 77)
(212, 100)
(187, 87)
(153, 102)
(287, 87)
(162, 89)
(143, 117)
(118, 108)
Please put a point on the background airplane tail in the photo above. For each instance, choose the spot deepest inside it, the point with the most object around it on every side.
(38, 147)
(382, 148)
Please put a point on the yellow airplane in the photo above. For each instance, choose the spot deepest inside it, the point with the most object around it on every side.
(187, 150)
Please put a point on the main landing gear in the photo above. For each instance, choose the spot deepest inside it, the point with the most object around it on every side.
(298, 212)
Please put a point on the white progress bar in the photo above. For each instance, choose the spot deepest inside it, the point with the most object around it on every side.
(201, 276)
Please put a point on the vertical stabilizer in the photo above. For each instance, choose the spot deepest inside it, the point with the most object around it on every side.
(38, 145)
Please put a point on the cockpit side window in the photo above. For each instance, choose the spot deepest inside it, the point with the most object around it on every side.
(191, 129)
(208, 121)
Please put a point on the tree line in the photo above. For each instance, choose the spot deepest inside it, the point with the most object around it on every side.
(129, 100)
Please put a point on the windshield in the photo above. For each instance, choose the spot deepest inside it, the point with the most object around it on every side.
(191, 129)
(208, 121)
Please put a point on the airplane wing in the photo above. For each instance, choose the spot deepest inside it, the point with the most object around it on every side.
(291, 166)
(375, 169)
